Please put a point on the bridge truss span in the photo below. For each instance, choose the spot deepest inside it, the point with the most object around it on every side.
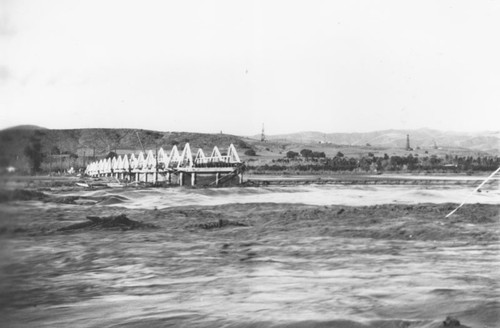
(171, 167)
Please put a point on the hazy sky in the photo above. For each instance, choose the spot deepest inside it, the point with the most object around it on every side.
(207, 66)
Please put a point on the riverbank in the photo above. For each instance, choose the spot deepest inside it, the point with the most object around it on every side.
(68, 182)
(443, 180)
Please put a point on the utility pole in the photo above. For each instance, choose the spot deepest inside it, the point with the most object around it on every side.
(263, 136)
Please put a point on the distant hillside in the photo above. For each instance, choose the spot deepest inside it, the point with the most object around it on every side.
(26, 127)
(82, 144)
(76, 147)
(424, 138)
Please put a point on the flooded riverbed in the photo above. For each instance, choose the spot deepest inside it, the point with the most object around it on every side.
(320, 264)
(360, 195)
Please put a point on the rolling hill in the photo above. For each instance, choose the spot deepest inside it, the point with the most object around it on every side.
(488, 142)
(80, 145)
(76, 147)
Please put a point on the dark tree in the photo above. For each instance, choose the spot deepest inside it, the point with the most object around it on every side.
(111, 154)
(306, 153)
(250, 152)
(55, 151)
(34, 152)
(291, 154)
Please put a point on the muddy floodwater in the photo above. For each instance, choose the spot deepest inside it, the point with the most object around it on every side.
(303, 256)
(356, 195)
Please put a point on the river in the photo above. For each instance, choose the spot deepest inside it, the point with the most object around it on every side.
(290, 266)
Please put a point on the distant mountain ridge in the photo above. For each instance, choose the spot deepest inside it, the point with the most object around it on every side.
(424, 138)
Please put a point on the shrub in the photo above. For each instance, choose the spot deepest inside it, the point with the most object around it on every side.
(306, 153)
(250, 152)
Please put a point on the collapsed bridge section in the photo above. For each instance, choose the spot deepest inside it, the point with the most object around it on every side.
(173, 168)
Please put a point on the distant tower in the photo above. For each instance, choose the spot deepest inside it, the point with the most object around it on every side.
(263, 136)
(408, 142)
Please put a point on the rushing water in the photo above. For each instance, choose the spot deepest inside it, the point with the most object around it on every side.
(235, 277)
(166, 280)
(311, 194)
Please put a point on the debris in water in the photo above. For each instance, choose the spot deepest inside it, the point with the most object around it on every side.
(121, 221)
(219, 224)
(452, 322)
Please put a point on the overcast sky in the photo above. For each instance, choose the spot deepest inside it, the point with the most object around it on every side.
(207, 66)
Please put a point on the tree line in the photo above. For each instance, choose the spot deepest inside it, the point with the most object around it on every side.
(307, 160)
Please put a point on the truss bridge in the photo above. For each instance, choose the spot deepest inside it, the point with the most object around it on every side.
(172, 168)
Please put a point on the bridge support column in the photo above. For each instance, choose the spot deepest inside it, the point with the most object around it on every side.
(181, 179)
(217, 177)
(240, 178)
(193, 179)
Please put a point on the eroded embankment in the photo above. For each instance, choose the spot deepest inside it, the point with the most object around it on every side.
(365, 180)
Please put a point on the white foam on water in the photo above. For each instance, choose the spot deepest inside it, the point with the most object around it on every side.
(311, 194)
